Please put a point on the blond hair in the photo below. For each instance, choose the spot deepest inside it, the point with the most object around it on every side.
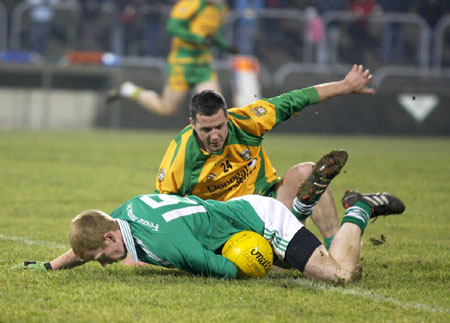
(87, 231)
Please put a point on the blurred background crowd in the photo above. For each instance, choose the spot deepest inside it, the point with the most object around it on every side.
(372, 32)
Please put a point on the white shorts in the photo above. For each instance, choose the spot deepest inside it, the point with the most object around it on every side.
(280, 225)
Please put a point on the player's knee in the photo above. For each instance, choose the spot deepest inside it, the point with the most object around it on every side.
(302, 171)
(343, 277)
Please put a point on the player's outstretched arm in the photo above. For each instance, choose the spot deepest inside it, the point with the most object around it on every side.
(65, 261)
(356, 81)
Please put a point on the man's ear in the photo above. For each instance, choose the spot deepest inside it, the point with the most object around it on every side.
(191, 121)
(109, 236)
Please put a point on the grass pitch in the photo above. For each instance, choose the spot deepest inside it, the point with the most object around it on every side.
(48, 177)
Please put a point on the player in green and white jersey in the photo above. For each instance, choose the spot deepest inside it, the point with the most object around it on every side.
(188, 232)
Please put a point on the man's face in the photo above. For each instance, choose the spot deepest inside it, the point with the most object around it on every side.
(113, 252)
(212, 131)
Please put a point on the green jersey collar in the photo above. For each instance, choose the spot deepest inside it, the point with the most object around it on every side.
(128, 238)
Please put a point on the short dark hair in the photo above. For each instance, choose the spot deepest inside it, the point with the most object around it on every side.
(206, 103)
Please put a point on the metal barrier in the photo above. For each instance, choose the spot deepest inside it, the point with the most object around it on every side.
(439, 40)
(17, 20)
(289, 14)
(280, 75)
(407, 71)
(267, 13)
(424, 37)
(3, 27)
(111, 10)
(404, 18)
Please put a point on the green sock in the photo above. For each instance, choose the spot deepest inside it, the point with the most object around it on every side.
(328, 241)
(301, 210)
(136, 93)
(358, 214)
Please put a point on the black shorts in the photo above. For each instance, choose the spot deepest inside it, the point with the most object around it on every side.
(300, 249)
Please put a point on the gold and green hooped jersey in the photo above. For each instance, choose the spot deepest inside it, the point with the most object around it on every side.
(190, 22)
(242, 167)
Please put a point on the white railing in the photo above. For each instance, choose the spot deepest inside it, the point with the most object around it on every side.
(403, 18)
(3, 27)
(439, 40)
(424, 34)
(17, 18)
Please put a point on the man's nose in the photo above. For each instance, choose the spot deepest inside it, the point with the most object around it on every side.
(214, 134)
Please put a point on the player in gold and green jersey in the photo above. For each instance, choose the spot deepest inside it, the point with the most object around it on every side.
(194, 25)
(220, 154)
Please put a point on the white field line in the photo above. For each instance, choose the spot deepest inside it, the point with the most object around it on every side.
(370, 296)
(302, 282)
(34, 242)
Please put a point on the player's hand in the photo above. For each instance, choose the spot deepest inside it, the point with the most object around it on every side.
(358, 79)
(208, 41)
(34, 265)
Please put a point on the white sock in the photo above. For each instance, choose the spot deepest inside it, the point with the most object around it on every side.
(128, 89)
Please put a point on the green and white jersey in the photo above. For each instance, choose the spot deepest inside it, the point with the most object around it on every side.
(184, 232)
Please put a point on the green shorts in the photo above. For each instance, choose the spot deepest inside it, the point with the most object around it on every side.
(182, 76)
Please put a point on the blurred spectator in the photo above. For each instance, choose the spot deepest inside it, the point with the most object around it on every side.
(314, 37)
(154, 31)
(129, 31)
(247, 25)
(41, 16)
(332, 30)
(432, 11)
(90, 20)
(358, 30)
(272, 26)
(392, 42)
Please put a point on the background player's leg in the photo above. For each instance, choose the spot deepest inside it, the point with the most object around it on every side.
(165, 105)
(170, 102)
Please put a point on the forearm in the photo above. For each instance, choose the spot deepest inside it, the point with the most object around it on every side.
(329, 90)
(66, 261)
(179, 29)
(356, 81)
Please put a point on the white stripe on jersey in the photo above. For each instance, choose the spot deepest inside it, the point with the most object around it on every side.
(172, 215)
(153, 256)
(128, 238)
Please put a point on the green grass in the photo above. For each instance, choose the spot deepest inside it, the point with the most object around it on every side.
(48, 177)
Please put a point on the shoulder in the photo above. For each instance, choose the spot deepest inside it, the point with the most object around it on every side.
(186, 132)
(253, 110)
(184, 9)
(184, 145)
